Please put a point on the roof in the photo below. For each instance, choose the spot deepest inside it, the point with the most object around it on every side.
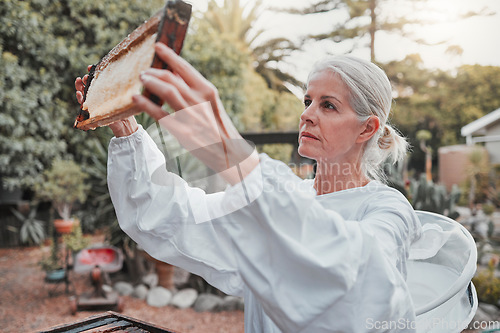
(272, 137)
(479, 126)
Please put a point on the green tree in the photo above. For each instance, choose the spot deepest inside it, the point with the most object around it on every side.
(423, 136)
(235, 21)
(365, 18)
(44, 45)
(221, 61)
(233, 24)
(440, 102)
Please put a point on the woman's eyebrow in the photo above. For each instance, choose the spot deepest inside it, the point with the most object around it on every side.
(331, 97)
(325, 97)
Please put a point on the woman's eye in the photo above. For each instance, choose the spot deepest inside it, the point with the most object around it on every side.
(307, 102)
(329, 105)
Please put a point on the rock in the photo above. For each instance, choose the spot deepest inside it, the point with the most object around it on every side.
(140, 291)
(481, 228)
(184, 298)
(107, 288)
(481, 316)
(124, 288)
(491, 310)
(158, 297)
(207, 302)
(486, 317)
(485, 258)
(181, 276)
(231, 303)
(150, 280)
(487, 248)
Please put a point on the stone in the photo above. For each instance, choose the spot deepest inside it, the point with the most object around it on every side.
(140, 292)
(124, 288)
(487, 248)
(231, 303)
(158, 297)
(107, 288)
(207, 302)
(486, 318)
(485, 258)
(185, 298)
(491, 310)
(150, 280)
(181, 276)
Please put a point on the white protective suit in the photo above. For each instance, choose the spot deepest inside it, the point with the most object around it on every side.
(302, 262)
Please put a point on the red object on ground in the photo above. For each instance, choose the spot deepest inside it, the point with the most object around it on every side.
(108, 258)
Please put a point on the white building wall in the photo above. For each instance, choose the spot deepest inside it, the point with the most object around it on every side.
(493, 147)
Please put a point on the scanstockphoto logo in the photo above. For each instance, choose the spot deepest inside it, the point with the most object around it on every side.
(432, 325)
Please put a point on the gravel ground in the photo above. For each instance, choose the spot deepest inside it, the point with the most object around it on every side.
(25, 304)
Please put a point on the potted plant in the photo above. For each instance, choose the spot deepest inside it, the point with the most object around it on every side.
(32, 230)
(52, 265)
(63, 185)
(75, 241)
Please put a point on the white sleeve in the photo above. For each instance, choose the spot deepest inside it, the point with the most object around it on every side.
(159, 215)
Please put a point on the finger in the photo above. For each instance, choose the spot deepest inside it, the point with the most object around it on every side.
(149, 107)
(79, 84)
(167, 92)
(85, 79)
(165, 75)
(178, 65)
(79, 97)
(89, 67)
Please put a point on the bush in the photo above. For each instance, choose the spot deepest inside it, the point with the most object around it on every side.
(487, 284)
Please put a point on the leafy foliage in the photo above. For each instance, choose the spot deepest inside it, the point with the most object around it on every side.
(250, 103)
(267, 109)
(234, 21)
(98, 208)
(32, 230)
(53, 261)
(44, 45)
(63, 185)
(439, 102)
(75, 241)
(487, 284)
(365, 18)
(220, 61)
(428, 196)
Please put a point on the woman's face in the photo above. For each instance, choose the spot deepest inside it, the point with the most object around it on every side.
(329, 127)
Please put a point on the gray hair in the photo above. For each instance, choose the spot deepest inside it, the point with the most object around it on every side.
(370, 93)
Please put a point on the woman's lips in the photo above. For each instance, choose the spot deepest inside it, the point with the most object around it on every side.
(307, 136)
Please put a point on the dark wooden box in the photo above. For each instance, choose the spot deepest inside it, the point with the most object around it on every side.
(108, 322)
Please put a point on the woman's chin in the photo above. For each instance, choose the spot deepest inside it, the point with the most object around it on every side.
(305, 152)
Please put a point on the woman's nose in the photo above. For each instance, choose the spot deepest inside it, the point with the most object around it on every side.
(309, 114)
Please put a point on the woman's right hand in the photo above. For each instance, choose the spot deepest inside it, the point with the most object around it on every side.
(120, 128)
(80, 84)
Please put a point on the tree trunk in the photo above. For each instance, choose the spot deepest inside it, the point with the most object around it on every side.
(373, 28)
(428, 166)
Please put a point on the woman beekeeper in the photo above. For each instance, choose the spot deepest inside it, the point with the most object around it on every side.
(327, 255)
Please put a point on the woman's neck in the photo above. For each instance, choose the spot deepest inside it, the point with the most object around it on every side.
(333, 177)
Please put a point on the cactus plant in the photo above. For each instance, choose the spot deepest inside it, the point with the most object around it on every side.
(394, 174)
(428, 196)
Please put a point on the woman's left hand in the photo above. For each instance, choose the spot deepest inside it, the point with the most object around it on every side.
(199, 122)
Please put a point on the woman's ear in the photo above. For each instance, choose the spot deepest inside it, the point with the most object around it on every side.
(369, 128)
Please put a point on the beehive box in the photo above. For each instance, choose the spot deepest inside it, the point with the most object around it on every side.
(108, 322)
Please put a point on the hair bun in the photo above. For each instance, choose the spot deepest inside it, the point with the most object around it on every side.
(387, 138)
